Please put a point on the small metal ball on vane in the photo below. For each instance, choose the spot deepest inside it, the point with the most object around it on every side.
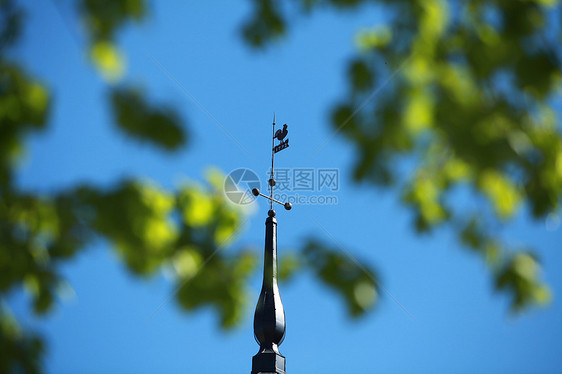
(257, 192)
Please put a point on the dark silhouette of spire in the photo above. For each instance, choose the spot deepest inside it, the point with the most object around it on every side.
(269, 318)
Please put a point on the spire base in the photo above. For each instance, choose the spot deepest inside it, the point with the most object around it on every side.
(268, 362)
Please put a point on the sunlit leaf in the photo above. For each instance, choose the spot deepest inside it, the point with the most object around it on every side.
(198, 207)
(373, 38)
(108, 60)
(187, 261)
(353, 282)
(502, 193)
(520, 278)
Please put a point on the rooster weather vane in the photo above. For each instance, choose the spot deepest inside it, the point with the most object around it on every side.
(279, 135)
(269, 318)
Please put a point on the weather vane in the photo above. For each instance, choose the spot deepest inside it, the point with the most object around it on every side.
(269, 318)
(279, 135)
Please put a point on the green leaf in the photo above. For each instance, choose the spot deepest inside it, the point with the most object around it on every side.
(138, 119)
(355, 283)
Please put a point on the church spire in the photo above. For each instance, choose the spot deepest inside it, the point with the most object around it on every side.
(269, 318)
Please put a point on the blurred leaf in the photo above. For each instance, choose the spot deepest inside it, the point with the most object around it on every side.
(519, 278)
(468, 102)
(198, 208)
(265, 25)
(515, 272)
(10, 23)
(289, 265)
(186, 261)
(137, 218)
(360, 76)
(20, 352)
(373, 38)
(104, 18)
(221, 283)
(503, 195)
(158, 126)
(355, 284)
(108, 60)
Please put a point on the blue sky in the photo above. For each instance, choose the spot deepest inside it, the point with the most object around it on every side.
(460, 325)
